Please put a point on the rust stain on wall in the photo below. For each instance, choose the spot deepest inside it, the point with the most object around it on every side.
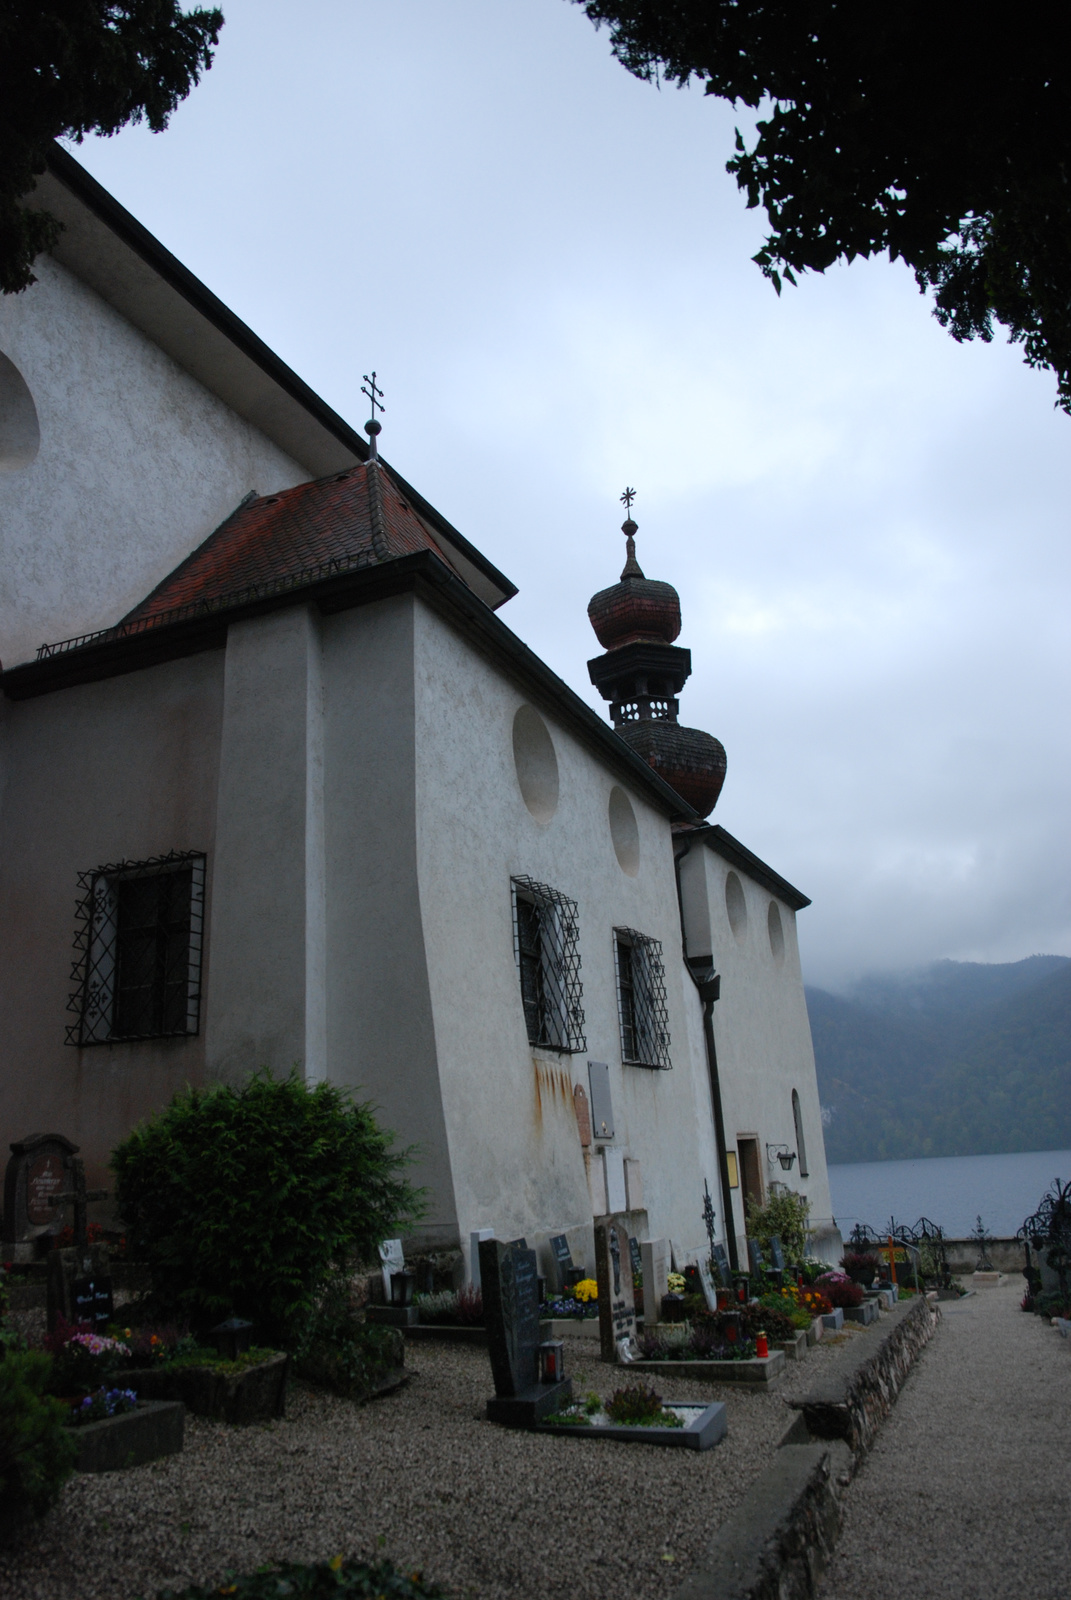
(552, 1085)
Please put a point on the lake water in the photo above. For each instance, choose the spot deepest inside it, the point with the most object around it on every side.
(950, 1190)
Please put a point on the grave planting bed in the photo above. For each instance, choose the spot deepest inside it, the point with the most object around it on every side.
(487, 1511)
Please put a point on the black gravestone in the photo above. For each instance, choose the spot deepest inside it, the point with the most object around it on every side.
(634, 1253)
(754, 1255)
(721, 1261)
(777, 1255)
(511, 1314)
(93, 1301)
(563, 1258)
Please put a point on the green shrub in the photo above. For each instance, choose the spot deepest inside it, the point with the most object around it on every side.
(37, 1453)
(242, 1201)
(784, 1216)
(326, 1580)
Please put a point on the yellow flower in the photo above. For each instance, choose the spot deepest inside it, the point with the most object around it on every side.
(587, 1289)
(334, 1563)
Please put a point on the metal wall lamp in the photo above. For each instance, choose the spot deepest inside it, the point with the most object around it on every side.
(782, 1153)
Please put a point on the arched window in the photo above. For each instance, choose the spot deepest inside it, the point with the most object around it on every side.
(801, 1147)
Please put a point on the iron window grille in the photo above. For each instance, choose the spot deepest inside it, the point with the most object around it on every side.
(137, 965)
(546, 943)
(641, 999)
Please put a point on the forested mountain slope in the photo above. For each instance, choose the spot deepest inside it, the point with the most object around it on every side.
(957, 1058)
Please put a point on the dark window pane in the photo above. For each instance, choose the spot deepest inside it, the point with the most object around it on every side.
(152, 953)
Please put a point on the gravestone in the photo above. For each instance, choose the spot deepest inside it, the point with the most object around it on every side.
(706, 1279)
(617, 1306)
(614, 1164)
(563, 1258)
(583, 1115)
(38, 1170)
(754, 1255)
(602, 1111)
(655, 1279)
(721, 1262)
(69, 1274)
(93, 1301)
(511, 1315)
(475, 1238)
(393, 1260)
(777, 1255)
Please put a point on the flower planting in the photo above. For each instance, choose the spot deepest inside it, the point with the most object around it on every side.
(640, 1406)
(840, 1291)
(460, 1309)
(104, 1403)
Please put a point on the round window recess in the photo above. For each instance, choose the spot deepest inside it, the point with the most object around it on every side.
(777, 932)
(536, 763)
(20, 431)
(624, 831)
(736, 906)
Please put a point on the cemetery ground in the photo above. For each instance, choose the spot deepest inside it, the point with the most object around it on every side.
(419, 1476)
(967, 1489)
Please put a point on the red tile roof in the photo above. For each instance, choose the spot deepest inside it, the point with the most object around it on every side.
(341, 518)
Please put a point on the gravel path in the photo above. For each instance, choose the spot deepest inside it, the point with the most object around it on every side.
(972, 1470)
(419, 1476)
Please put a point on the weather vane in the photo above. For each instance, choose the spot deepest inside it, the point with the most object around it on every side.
(626, 499)
(374, 393)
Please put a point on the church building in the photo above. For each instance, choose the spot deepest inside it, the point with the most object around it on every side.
(280, 788)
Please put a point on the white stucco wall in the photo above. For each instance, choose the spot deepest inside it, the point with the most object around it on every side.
(125, 769)
(138, 463)
(516, 1158)
(761, 1026)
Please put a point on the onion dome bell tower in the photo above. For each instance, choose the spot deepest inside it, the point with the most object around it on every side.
(643, 671)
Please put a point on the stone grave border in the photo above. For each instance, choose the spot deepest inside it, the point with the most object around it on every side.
(154, 1429)
(761, 1371)
(702, 1433)
(780, 1540)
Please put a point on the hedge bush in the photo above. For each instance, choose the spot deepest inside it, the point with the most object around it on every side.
(37, 1453)
(244, 1200)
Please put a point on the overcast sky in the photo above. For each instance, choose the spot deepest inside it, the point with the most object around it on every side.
(548, 266)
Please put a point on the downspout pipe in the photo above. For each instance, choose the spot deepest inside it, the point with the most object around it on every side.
(708, 984)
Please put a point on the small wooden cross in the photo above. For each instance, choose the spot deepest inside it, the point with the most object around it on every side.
(374, 393)
(78, 1196)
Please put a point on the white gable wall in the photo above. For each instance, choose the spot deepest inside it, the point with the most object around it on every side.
(515, 1153)
(761, 1026)
(138, 463)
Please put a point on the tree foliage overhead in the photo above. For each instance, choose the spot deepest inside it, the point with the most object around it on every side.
(72, 67)
(920, 128)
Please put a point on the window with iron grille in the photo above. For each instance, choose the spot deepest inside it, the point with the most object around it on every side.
(641, 999)
(546, 942)
(137, 959)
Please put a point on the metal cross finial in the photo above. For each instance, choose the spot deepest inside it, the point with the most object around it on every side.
(708, 1214)
(627, 499)
(374, 393)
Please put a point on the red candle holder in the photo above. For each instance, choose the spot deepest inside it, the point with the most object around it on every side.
(762, 1346)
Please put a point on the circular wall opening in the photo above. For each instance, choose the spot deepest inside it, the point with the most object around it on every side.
(777, 932)
(624, 831)
(536, 763)
(20, 431)
(736, 906)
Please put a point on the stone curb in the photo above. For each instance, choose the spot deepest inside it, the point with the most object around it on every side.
(779, 1541)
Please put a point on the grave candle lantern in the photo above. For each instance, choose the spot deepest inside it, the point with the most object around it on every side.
(762, 1346)
(232, 1338)
(551, 1361)
(401, 1289)
(732, 1326)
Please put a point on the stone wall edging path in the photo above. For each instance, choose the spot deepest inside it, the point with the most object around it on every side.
(779, 1542)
